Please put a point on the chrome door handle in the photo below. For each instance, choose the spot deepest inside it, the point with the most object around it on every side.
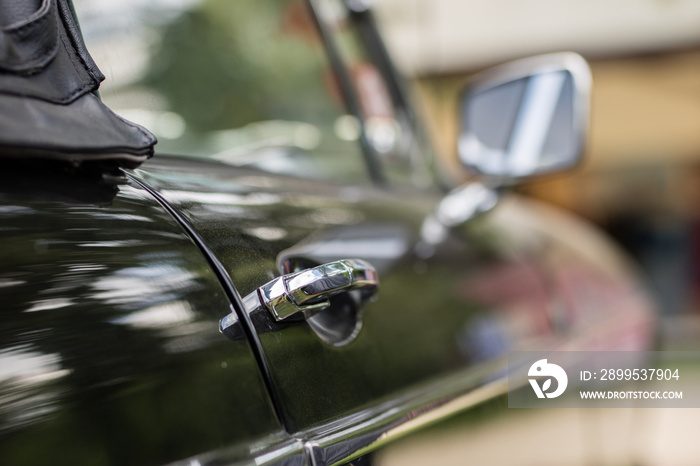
(310, 289)
(308, 292)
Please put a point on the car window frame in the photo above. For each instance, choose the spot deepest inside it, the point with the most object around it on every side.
(362, 17)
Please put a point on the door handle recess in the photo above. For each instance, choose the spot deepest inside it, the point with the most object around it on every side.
(309, 292)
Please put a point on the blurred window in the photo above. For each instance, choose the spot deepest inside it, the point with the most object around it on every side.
(388, 120)
(245, 82)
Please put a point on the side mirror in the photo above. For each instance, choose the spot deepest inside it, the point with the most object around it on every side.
(525, 118)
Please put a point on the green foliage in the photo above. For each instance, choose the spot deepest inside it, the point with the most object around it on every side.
(230, 63)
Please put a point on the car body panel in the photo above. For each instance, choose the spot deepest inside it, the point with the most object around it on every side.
(443, 311)
(109, 348)
(110, 322)
(114, 285)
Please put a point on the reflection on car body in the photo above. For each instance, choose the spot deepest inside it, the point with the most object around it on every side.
(115, 282)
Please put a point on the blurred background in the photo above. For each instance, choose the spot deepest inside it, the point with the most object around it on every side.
(641, 176)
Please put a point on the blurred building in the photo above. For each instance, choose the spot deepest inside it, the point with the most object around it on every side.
(641, 177)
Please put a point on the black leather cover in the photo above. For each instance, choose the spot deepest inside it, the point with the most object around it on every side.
(47, 79)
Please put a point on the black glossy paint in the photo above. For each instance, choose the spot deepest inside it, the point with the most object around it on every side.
(428, 321)
(109, 344)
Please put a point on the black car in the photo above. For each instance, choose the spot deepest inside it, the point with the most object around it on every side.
(298, 282)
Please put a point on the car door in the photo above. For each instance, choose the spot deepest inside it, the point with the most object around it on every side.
(109, 349)
(116, 283)
(439, 307)
(298, 149)
(449, 303)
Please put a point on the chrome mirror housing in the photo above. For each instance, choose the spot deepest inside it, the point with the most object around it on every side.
(525, 118)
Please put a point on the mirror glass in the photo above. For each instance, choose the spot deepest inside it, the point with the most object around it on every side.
(531, 124)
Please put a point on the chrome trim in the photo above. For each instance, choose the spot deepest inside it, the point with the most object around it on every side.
(458, 207)
(309, 291)
(464, 203)
(306, 294)
(367, 431)
(276, 450)
(568, 61)
(354, 436)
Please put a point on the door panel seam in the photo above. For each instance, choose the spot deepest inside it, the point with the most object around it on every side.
(231, 293)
